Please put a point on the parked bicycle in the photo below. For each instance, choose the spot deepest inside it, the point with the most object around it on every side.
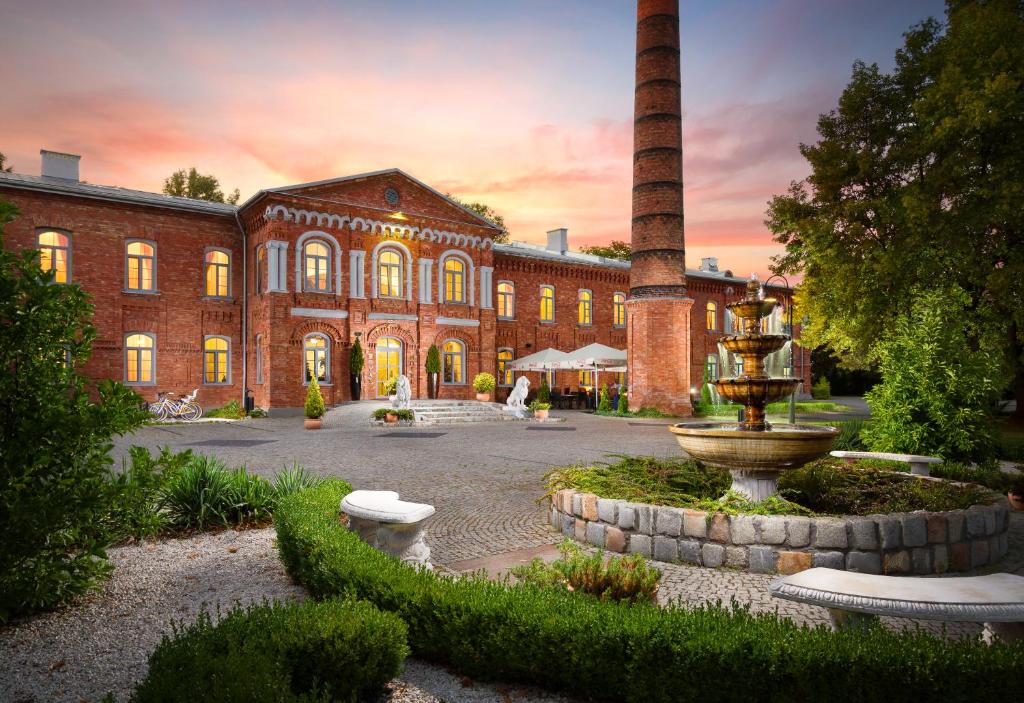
(185, 408)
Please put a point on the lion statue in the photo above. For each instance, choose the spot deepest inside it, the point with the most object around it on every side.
(516, 402)
(403, 392)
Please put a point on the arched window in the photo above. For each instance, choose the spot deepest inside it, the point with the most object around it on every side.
(390, 282)
(259, 358)
(454, 280)
(547, 303)
(506, 300)
(316, 265)
(260, 271)
(218, 270)
(712, 367)
(453, 362)
(389, 363)
(316, 356)
(619, 310)
(139, 359)
(141, 264)
(55, 255)
(216, 360)
(504, 373)
(712, 315)
(585, 303)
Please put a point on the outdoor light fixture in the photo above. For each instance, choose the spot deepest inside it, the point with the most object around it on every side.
(398, 216)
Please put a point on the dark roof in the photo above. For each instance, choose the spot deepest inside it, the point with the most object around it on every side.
(62, 186)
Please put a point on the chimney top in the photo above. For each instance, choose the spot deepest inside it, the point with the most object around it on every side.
(59, 165)
(709, 264)
(558, 240)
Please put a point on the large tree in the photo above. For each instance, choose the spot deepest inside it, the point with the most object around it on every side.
(488, 213)
(618, 249)
(917, 180)
(192, 184)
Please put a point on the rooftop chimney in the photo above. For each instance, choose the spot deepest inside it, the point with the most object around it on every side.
(709, 264)
(558, 240)
(59, 165)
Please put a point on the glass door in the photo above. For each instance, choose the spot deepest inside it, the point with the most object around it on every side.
(389, 363)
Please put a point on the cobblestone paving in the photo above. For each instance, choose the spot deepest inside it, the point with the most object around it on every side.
(484, 480)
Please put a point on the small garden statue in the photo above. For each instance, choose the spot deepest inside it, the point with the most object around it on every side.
(516, 402)
(403, 392)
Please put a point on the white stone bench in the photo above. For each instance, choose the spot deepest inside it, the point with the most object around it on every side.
(855, 599)
(391, 525)
(918, 464)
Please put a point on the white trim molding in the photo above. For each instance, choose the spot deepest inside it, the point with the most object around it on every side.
(406, 266)
(391, 316)
(468, 279)
(458, 322)
(335, 260)
(486, 287)
(426, 280)
(356, 273)
(277, 266)
(320, 312)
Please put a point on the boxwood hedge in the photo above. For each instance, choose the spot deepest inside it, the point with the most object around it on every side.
(621, 652)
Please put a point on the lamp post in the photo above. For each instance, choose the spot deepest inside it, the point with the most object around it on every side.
(789, 322)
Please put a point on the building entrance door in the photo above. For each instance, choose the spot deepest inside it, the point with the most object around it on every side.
(389, 363)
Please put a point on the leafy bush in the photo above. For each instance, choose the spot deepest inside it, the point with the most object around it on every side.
(338, 650)
(391, 385)
(850, 438)
(484, 383)
(356, 359)
(206, 494)
(135, 510)
(821, 389)
(938, 389)
(623, 408)
(402, 413)
(258, 412)
(544, 392)
(618, 652)
(231, 411)
(54, 438)
(536, 405)
(294, 480)
(643, 479)
(314, 400)
(626, 579)
(433, 359)
(604, 402)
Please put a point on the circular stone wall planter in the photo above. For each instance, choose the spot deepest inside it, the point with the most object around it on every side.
(897, 543)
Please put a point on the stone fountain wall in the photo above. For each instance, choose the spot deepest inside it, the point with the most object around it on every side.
(896, 543)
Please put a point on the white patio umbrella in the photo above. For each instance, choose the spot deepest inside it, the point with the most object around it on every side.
(544, 360)
(596, 357)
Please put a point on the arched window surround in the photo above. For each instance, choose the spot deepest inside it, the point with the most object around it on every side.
(66, 247)
(452, 375)
(313, 354)
(140, 359)
(207, 264)
(467, 283)
(217, 354)
(152, 289)
(406, 256)
(334, 282)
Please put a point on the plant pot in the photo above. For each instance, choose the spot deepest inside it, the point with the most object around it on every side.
(355, 386)
(391, 418)
(1016, 500)
(483, 397)
(541, 414)
(312, 423)
(433, 383)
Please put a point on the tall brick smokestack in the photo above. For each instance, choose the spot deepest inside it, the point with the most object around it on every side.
(659, 309)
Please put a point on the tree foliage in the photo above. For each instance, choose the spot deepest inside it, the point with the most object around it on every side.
(4, 168)
(356, 359)
(54, 439)
(618, 249)
(488, 213)
(916, 181)
(199, 186)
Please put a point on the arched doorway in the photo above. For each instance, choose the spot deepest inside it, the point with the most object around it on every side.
(389, 362)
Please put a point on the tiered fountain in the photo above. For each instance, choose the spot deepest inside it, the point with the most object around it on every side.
(754, 451)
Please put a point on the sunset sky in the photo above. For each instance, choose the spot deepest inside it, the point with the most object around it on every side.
(524, 105)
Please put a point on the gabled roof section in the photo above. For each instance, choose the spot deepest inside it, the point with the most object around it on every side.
(318, 188)
(63, 186)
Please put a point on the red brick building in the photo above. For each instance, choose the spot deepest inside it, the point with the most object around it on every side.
(191, 294)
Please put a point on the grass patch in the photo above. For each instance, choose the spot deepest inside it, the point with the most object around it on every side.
(231, 411)
(780, 407)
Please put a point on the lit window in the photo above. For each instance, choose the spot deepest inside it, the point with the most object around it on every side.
(547, 304)
(453, 362)
(504, 373)
(259, 358)
(389, 274)
(139, 358)
(586, 307)
(316, 262)
(454, 280)
(506, 300)
(215, 360)
(316, 355)
(389, 363)
(54, 255)
(619, 310)
(261, 261)
(712, 314)
(217, 269)
(712, 367)
(141, 266)
(586, 379)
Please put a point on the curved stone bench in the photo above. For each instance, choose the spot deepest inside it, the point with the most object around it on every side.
(918, 464)
(853, 599)
(391, 525)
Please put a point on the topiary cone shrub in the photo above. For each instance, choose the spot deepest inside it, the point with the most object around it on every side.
(433, 369)
(356, 361)
(604, 404)
(314, 409)
(544, 392)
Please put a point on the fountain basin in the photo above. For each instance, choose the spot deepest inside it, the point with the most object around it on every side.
(755, 344)
(746, 390)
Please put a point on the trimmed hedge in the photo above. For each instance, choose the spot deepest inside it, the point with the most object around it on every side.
(338, 650)
(630, 653)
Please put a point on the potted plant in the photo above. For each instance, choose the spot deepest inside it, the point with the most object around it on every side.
(433, 371)
(314, 404)
(544, 392)
(540, 410)
(391, 388)
(391, 415)
(356, 361)
(484, 384)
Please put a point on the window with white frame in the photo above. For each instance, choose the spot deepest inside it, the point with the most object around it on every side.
(55, 254)
(506, 300)
(504, 373)
(139, 359)
(619, 310)
(141, 267)
(454, 280)
(316, 355)
(218, 273)
(585, 305)
(453, 362)
(547, 303)
(216, 360)
(390, 279)
(316, 267)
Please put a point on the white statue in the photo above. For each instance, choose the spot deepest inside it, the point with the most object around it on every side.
(516, 402)
(403, 393)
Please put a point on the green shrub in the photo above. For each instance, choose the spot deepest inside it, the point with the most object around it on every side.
(623, 408)
(402, 413)
(258, 412)
(938, 388)
(356, 359)
(135, 501)
(338, 650)
(650, 412)
(821, 389)
(391, 385)
(643, 479)
(604, 402)
(850, 439)
(544, 392)
(231, 411)
(433, 359)
(294, 480)
(618, 652)
(483, 383)
(314, 400)
(54, 438)
(627, 579)
(206, 494)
